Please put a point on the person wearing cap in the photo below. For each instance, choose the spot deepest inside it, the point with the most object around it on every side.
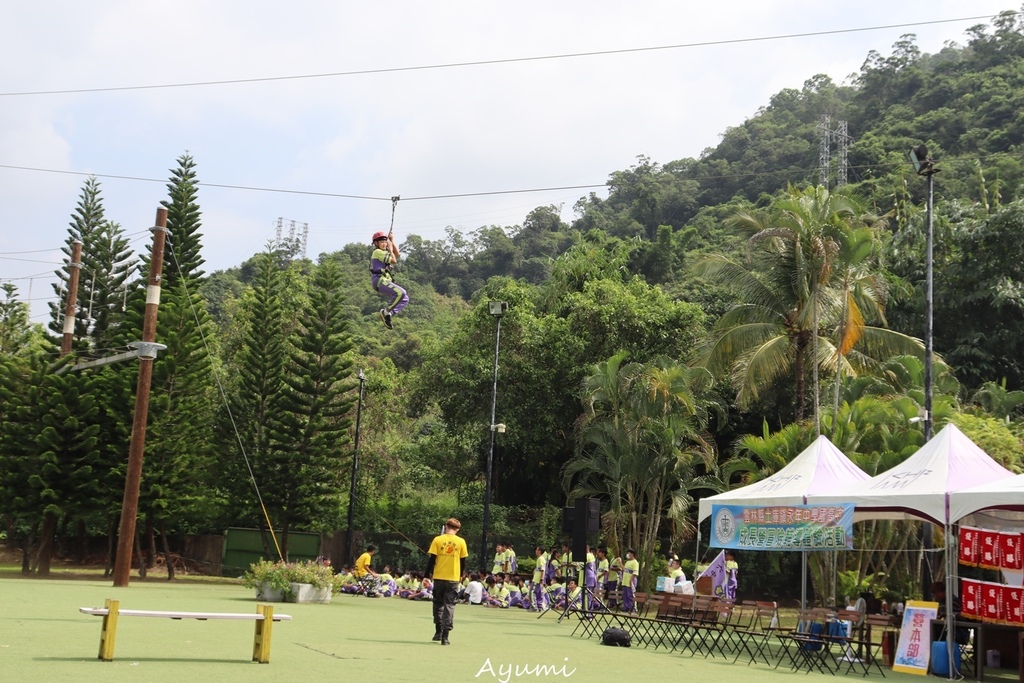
(444, 564)
(630, 570)
(384, 257)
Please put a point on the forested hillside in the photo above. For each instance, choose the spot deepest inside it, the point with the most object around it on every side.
(692, 330)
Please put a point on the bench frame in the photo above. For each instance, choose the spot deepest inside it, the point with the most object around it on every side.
(111, 611)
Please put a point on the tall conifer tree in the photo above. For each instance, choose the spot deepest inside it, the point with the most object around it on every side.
(311, 429)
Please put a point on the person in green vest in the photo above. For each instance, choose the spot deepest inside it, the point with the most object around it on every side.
(540, 596)
(732, 572)
(382, 260)
(511, 562)
(497, 594)
(676, 575)
(573, 593)
(565, 567)
(630, 571)
(499, 559)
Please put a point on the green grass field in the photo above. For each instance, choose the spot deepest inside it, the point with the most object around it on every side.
(43, 637)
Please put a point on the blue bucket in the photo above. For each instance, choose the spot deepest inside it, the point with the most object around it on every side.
(940, 658)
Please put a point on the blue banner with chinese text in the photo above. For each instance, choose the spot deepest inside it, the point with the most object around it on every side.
(782, 527)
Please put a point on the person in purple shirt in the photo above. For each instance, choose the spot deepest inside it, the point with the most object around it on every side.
(384, 256)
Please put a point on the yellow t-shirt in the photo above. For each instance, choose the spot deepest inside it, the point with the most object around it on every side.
(449, 550)
(363, 565)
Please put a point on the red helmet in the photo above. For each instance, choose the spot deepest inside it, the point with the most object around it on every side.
(378, 235)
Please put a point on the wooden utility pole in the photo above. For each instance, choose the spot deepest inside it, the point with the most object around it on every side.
(71, 305)
(147, 355)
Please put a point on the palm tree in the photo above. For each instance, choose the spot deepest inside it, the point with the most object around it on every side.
(995, 399)
(641, 446)
(861, 290)
(787, 295)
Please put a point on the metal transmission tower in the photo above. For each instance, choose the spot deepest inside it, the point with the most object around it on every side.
(843, 138)
(824, 129)
(296, 243)
(840, 134)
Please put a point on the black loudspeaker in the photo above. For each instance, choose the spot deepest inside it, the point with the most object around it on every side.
(593, 515)
(568, 517)
(587, 520)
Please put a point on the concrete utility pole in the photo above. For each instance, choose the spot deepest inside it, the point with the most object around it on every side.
(71, 305)
(147, 355)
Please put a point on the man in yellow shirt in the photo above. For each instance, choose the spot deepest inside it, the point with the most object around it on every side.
(444, 564)
(368, 579)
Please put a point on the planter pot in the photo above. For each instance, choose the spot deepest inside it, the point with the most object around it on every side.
(305, 592)
(266, 593)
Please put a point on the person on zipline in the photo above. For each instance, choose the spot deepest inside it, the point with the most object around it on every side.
(385, 255)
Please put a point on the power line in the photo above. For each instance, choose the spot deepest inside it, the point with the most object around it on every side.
(489, 62)
(28, 260)
(557, 188)
(311, 193)
(18, 253)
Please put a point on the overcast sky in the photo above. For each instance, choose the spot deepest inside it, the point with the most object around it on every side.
(417, 133)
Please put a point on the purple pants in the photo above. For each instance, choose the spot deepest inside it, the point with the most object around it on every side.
(397, 297)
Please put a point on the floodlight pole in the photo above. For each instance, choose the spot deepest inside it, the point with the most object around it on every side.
(496, 309)
(926, 167)
(929, 340)
(355, 468)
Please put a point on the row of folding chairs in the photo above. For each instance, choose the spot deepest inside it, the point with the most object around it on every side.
(696, 624)
(820, 642)
(711, 627)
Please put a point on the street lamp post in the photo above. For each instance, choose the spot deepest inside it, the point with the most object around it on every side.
(925, 165)
(355, 468)
(497, 309)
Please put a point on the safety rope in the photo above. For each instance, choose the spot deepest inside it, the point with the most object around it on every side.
(394, 204)
(227, 406)
(387, 522)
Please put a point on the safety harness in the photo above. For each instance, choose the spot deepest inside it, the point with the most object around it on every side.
(386, 271)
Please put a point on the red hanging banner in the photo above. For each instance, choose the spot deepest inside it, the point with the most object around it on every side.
(988, 542)
(992, 602)
(970, 598)
(969, 546)
(1013, 613)
(1010, 551)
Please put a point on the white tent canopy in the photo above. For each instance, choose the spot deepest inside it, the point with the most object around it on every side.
(821, 467)
(995, 505)
(920, 487)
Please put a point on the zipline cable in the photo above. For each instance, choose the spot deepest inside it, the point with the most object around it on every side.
(491, 62)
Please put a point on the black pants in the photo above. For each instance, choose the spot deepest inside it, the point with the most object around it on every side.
(446, 594)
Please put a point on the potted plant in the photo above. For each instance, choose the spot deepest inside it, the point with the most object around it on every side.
(272, 580)
(311, 581)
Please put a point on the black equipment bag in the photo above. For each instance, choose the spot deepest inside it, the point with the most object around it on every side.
(615, 636)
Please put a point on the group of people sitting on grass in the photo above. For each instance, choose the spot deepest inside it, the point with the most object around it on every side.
(558, 580)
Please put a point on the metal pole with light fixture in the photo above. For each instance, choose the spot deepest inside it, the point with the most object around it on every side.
(925, 165)
(355, 468)
(497, 309)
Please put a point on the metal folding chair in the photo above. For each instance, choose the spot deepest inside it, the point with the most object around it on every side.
(868, 649)
(756, 640)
